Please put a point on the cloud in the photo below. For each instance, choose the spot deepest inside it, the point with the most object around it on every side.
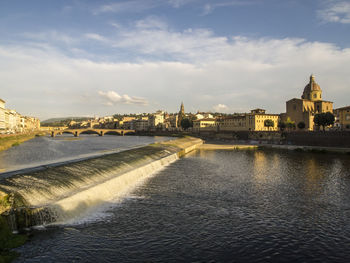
(151, 22)
(180, 3)
(220, 108)
(164, 67)
(138, 6)
(336, 12)
(134, 6)
(96, 37)
(210, 7)
(113, 97)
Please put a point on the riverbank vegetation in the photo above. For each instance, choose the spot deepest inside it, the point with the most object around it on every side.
(8, 241)
(14, 140)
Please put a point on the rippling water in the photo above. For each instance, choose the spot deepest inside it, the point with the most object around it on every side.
(218, 206)
(44, 150)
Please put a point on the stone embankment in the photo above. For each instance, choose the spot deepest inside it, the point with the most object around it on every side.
(67, 191)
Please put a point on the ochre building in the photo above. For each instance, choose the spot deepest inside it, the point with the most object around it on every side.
(253, 121)
(311, 103)
(343, 117)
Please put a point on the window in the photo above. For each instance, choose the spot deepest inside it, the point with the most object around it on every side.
(315, 95)
(294, 107)
(347, 117)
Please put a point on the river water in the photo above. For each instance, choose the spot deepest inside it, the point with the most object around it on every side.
(46, 150)
(217, 206)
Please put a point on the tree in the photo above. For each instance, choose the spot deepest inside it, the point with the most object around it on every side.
(324, 119)
(301, 125)
(269, 123)
(186, 123)
(281, 125)
(290, 124)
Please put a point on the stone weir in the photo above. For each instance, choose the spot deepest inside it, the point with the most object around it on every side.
(68, 191)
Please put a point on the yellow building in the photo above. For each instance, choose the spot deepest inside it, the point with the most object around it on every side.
(343, 117)
(208, 124)
(311, 103)
(2, 115)
(253, 121)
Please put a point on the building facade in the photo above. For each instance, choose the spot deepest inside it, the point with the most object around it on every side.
(311, 103)
(253, 121)
(2, 115)
(342, 116)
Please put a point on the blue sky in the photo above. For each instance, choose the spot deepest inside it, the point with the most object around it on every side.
(86, 58)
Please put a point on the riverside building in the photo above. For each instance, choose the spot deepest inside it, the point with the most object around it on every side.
(2, 115)
(311, 103)
(342, 116)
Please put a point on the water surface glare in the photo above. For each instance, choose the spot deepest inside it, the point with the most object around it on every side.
(218, 206)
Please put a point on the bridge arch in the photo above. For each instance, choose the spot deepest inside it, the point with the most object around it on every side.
(67, 131)
(113, 132)
(90, 131)
(129, 132)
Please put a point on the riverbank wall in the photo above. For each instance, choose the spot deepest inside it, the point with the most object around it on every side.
(337, 139)
(68, 191)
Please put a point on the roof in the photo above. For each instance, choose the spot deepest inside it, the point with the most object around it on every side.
(206, 119)
(343, 108)
(311, 86)
(2, 100)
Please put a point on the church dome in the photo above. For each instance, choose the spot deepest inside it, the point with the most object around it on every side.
(311, 86)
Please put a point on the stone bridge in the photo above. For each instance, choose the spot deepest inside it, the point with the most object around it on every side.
(100, 132)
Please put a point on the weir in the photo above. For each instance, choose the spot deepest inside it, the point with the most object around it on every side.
(68, 191)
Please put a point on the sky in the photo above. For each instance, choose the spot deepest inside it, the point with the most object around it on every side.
(61, 58)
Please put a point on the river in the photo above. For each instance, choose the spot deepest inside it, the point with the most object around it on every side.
(216, 206)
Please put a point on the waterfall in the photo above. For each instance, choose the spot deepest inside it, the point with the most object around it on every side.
(70, 191)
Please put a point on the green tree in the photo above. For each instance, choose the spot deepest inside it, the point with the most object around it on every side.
(269, 123)
(324, 119)
(281, 126)
(301, 125)
(186, 123)
(290, 124)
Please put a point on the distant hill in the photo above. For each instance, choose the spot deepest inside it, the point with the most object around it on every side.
(62, 121)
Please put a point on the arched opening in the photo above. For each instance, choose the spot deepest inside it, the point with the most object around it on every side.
(90, 132)
(129, 133)
(66, 132)
(112, 133)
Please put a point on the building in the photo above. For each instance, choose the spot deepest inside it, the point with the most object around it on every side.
(181, 114)
(156, 120)
(342, 116)
(311, 103)
(253, 121)
(203, 115)
(205, 125)
(141, 124)
(2, 115)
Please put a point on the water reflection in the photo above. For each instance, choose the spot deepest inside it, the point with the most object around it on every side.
(219, 206)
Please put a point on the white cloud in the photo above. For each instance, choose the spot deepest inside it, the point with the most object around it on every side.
(96, 37)
(210, 7)
(133, 6)
(220, 108)
(180, 3)
(113, 97)
(151, 22)
(336, 12)
(194, 66)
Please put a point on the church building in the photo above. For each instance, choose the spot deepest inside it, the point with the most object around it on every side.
(311, 103)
